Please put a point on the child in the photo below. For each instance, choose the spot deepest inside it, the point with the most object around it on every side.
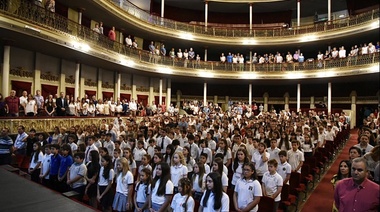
(217, 166)
(183, 200)
(139, 152)
(218, 201)
(45, 167)
(93, 168)
(199, 181)
(106, 175)
(152, 144)
(260, 159)
(169, 154)
(35, 162)
(204, 149)
(145, 164)
(295, 157)
(272, 184)
(72, 142)
(240, 159)
(76, 175)
(162, 188)
(124, 186)
(247, 191)
(284, 169)
(141, 199)
(190, 162)
(116, 156)
(203, 159)
(178, 169)
(102, 152)
(157, 159)
(132, 163)
(54, 166)
(307, 146)
(273, 150)
(66, 162)
(225, 150)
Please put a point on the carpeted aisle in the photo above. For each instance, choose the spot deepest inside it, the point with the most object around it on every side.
(322, 197)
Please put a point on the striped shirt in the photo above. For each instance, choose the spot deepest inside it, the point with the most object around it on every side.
(5, 145)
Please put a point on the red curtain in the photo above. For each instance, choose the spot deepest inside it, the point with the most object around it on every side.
(19, 87)
(47, 90)
(157, 100)
(125, 96)
(90, 93)
(70, 91)
(143, 99)
(107, 95)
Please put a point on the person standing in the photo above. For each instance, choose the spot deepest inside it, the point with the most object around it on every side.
(40, 102)
(61, 104)
(20, 145)
(13, 103)
(357, 193)
(6, 144)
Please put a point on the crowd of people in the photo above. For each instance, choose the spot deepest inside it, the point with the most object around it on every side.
(177, 162)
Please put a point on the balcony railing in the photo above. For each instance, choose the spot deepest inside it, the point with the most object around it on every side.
(239, 32)
(42, 19)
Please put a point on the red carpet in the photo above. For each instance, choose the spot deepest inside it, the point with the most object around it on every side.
(321, 199)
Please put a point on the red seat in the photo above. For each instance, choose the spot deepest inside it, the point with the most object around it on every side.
(287, 199)
(266, 204)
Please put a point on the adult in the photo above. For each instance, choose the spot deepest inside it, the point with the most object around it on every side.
(3, 106)
(61, 104)
(112, 34)
(40, 102)
(13, 103)
(357, 193)
(20, 145)
(6, 144)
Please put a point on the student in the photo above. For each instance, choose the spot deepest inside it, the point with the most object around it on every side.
(284, 169)
(307, 146)
(132, 163)
(141, 197)
(45, 167)
(295, 157)
(106, 175)
(157, 159)
(178, 170)
(116, 156)
(139, 152)
(54, 166)
(76, 175)
(354, 152)
(199, 181)
(162, 189)
(260, 159)
(205, 150)
(35, 162)
(203, 159)
(237, 167)
(124, 186)
(93, 168)
(150, 149)
(214, 199)
(273, 150)
(168, 154)
(72, 138)
(64, 166)
(226, 151)
(272, 184)
(247, 191)
(190, 162)
(145, 164)
(183, 200)
(217, 166)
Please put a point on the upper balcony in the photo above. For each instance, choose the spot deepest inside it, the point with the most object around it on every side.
(69, 39)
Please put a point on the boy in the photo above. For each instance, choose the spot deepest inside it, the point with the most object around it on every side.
(116, 156)
(108, 143)
(152, 145)
(76, 175)
(72, 142)
(66, 162)
(194, 149)
(99, 140)
(284, 169)
(139, 152)
(45, 167)
(295, 157)
(274, 150)
(203, 159)
(54, 166)
(90, 146)
(272, 183)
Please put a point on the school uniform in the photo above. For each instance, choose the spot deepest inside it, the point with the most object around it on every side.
(121, 197)
(106, 200)
(182, 203)
(36, 173)
(271, 184)
(158, 201)
(247, 191)
(45, 169)
(142, 192)
(197, 189)
(284, 169)
(80, 185)
(209, 207)
(177, 172)
(261, 167)
(295, 158)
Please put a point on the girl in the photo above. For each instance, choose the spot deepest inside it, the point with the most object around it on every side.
(214, 199)
(225, 150)
(162, 191)
(169, 154)
(145, 164)
(127, 153)
(260, 159)
(307, 146)
(93, 169)
(124, 185)
(190, 162)
(35, 162)
(178, 169)
(183, 200)
(343, 172)
(240, 160)
(217, 166)
(284, 142)
(142, 191)
(157, 159)
(199, 180)
(106, 175)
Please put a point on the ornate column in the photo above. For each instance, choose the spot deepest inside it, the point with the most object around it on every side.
(179, 93)
(329, 98)
(206, 54)
(134, 92)
(99, 85)
(298, 97)
(286, 106)
(266, 97)
(312, 102)
(151, 91)
(168, 93)
(37, 76)
(215, 99)
(205, 93)
(206, 15)
(250, 18)
(250, 94)
(353, 96)
(62, 80)
(329, 10)
(117, 86)
(162, 8)
(298, 13)
(80, 16)
(79, 89)
(160, 93)
(6, 69)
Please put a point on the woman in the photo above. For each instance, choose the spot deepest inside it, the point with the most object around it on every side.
(31, 106)
(343, 172)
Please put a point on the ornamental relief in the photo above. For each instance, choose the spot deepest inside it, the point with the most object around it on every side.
(19, 71)
(108, 85)
(90, 83)
(70, 79)
(142, 89)
(125, 87)
(49, 77)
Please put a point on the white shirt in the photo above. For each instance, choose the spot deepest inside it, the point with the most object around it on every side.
(168, 191)
(138, 153)
(142, 191)
(122, 183)
(196, 184)
(247, 191)
(284, 169)
(295, 158)
(273, 154)
(81, 170)
(209, 207)
(179, 201)
(29, 108)
(272, 183)
(102, 181)
(33, 164)
(261, 167)
(237, 174)
(45, 167)
(177, 173)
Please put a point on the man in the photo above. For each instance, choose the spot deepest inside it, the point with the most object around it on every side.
(163, 52)
(62, 104)
(20, 146)
(40, 102)
(6, 144)
(357, 193)
(13, 103)
(163, 140)
(152, 51)
(23, 102)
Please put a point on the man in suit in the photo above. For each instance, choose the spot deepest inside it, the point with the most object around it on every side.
(62, 104)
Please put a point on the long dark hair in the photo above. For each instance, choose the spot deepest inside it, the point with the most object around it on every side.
(236, 160)
(106, 171)
(201, 173)
(188, 157)
(252, 166)
(217, 190)
(339, 175)
(159, 155)
(148, 180)
(286, 140)
(219, 162)
(36, 153)
(165, 176)
(171, 147)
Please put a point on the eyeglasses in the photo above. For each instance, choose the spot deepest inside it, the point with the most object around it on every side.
(359, 170)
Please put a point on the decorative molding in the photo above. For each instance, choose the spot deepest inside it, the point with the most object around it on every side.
(70, 79)
(125, 87)
(156, 90)
(90, 83)
(107, 85)
(142, 89)
(49, 77)
(19, 71)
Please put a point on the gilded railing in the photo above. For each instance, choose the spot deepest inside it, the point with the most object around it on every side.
(42, 19)
(157, 21)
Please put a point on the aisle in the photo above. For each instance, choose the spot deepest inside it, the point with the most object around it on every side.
(322, 197)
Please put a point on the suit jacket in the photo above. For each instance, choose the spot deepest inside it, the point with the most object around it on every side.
(60, 105)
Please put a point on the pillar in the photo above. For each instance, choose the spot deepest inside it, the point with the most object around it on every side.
(286, 106)
(250, 18)
(215, 99)
(168, 93)
(266, 97)
(227, 99)
(250, 94)
(352, 120)
(62, 80)
(328, 10)
(298, 13)
(312, 102)
(160, 93)
(134, 92)
(78, 88)
(99, 84)
(151, 92)
(329, 98)
(298, 97)
(179, 93)
(117, 86)
(205, 54)
(250, 59)
(6, 70)
(205, 94)
(162, 8)
(80, 16)
(206, 15)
